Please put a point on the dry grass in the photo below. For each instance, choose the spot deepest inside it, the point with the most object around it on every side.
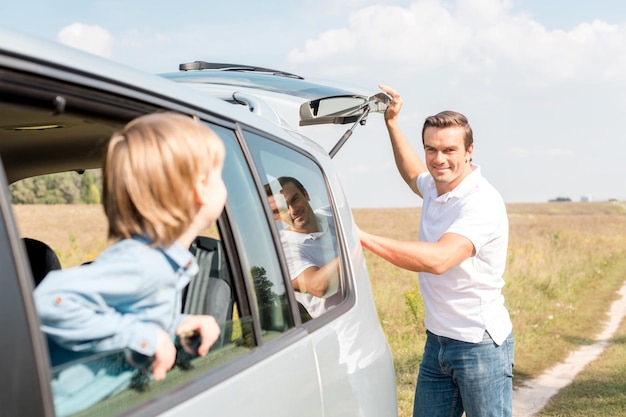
(566, 260)
(77, 233)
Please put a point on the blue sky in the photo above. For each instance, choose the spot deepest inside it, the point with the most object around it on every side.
(543, 83)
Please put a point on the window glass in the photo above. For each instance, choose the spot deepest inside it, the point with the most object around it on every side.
(299, 200)
(252, 231)
(112, 383)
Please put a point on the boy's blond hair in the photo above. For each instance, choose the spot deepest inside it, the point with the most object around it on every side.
(149, 174)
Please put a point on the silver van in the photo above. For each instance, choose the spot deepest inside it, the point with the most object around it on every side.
(278, 355)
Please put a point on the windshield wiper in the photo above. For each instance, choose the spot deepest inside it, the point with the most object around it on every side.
(201, 65)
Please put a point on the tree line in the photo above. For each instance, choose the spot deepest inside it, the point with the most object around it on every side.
(75, 187)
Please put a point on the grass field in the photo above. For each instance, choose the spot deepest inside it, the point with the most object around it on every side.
(565, 262)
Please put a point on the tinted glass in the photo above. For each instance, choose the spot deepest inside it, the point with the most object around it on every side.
(258, 251)
(298, 197)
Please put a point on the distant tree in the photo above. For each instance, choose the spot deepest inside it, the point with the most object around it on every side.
(23, 192)
(89, 192)
(61, 188)
(265, 295)
(560, 199)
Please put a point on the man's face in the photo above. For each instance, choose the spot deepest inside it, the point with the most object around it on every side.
(446, 157)
(301, 213)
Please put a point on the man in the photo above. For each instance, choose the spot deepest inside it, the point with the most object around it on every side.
(311, 250)
(460, 256)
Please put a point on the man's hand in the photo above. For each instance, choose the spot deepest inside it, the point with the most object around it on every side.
(394, 106)
(164, 355)
(205, 326)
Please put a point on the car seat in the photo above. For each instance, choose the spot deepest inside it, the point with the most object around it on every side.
(210, 291)
(41, 257)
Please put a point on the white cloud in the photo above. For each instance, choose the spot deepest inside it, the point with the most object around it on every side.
(385, 34)
(473, 36)
(89, 38)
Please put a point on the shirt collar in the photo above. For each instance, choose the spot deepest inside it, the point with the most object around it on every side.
(322, 226)
(182, 257)
(464, 188)
(178, 256)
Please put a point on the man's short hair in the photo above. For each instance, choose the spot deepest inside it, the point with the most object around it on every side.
(294, 181)
(449, 118)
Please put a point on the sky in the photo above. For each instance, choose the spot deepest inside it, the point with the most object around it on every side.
(542, 82)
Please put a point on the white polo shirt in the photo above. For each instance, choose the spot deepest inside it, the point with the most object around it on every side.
(303, 250)
(467, 299)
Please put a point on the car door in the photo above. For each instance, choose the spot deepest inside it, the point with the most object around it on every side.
(353, 360)
(24, 386)
(280, 376)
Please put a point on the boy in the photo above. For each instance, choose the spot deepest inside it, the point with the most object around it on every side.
(162, 185)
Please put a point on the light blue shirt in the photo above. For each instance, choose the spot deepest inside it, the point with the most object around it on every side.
(118, 301)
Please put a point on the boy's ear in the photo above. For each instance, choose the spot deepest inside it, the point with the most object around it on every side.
(201, 190)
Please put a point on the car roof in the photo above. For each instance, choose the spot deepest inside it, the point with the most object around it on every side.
(55, 55)
(254, 77)
(285, 98)
(47, 140)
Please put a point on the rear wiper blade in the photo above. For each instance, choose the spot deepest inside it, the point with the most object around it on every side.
(200, 65)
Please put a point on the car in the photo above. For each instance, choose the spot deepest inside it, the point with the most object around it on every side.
(58, 107)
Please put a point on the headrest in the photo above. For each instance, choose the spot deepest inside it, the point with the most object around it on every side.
(42, 258)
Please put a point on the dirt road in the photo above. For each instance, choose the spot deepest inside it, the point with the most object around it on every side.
(530, 400)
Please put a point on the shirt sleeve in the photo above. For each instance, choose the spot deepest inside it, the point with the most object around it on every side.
(297, 262)
(93, 308)
(422, 182)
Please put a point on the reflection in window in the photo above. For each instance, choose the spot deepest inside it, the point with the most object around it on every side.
(300, 205)
(258, 256)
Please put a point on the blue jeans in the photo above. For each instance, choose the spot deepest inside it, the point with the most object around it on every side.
(457, 377)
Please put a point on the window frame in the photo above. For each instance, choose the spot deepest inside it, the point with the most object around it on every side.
(346, 272)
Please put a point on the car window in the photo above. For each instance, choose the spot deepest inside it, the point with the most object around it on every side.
(249, 301)
(256, 247)
(303, 216)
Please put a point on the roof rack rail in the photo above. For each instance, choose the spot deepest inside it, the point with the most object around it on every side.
(200, 65)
